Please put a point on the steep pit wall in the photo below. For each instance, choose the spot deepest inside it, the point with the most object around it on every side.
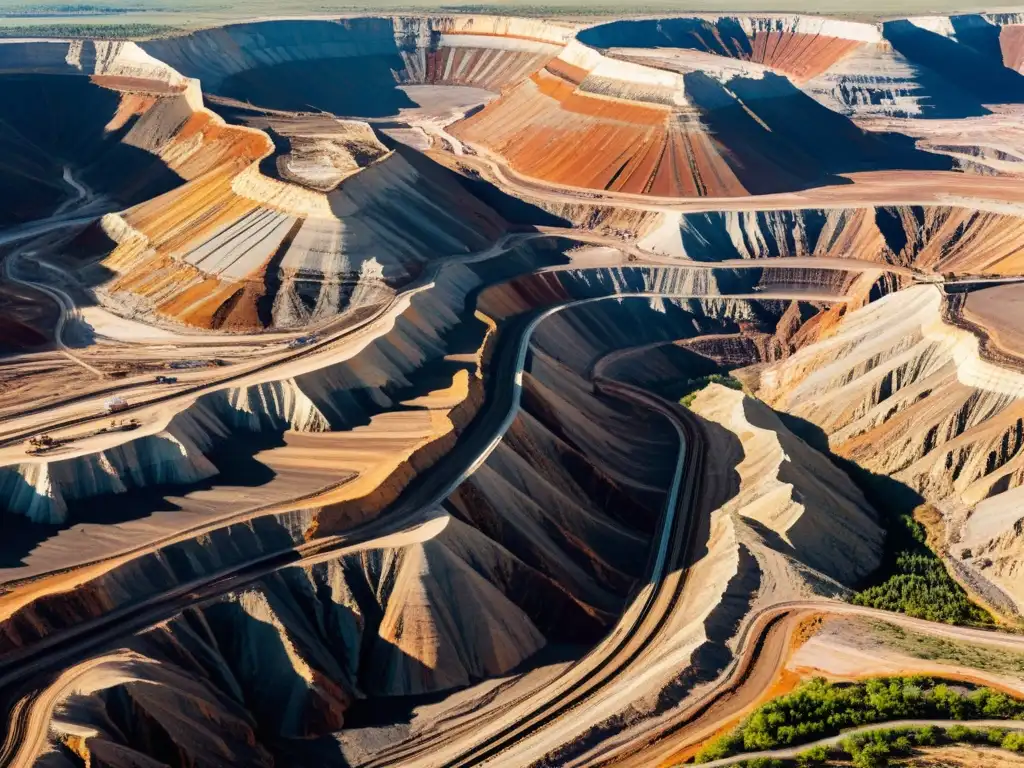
(297, 65)
(765, 489)
(675, 135)
(923, 67)
(821, 518)
(904, 394)
(799, 46)
(389, 619)
(928, 238)
(261, 259)
(847, 67)
(761, 332)
(338, 396)
(128, 126)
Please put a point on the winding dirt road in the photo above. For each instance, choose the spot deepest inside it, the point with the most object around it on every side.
(33, 681)
(36, 666)
(64, 304)
(760, 656)
(831, 741)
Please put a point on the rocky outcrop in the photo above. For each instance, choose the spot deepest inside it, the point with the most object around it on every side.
(902, 393)
(807, 508)
(929, 238)
(41, 490)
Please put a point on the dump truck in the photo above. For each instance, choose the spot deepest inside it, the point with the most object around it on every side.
(115, 405)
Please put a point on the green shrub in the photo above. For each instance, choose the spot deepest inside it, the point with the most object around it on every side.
(1014, 740)
(961, 733)
(813, 756)
(873, 755)
(818, 709)
(98, 31)
(920, 586)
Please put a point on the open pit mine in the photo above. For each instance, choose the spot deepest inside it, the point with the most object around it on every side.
(461, 390)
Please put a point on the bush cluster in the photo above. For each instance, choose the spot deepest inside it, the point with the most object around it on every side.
(878, 748)
(921, 587)
(912, 579)
(818, 709)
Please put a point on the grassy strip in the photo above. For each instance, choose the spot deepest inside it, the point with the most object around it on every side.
(945, 651)
(819, 709)
(42, 10)
(89, 31)
(879, 748)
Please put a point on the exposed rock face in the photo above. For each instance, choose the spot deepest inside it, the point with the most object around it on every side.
(932, 238)
(323, 159)
(791, 491)
(902, 393)
(286, 657)
(437, 605)
(258, 260)
(272, 61)
(680, 120)
(920, 67)
(40, 491)
(800, 46)
(409, 476)
(335, 397)
(229, 248)
(684, 135)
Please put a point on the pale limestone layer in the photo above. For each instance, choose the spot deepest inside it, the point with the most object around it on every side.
(790, 491)
(104, 58)
(905, 394)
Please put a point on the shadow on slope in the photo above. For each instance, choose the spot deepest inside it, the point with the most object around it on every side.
(362, 86)
(235, 459)
(780, 139)
(724, 37)
(49, 121)
(978, 33)
(970, 65)
(912, 578)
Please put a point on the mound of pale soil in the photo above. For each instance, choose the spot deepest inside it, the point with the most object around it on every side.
(802, 504)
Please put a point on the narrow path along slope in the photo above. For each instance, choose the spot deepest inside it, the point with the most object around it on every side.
(761, 656)
(642, 620)
(791, 752)
(42, 661)
(82, 193)
(64, 304)
(327, 342)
